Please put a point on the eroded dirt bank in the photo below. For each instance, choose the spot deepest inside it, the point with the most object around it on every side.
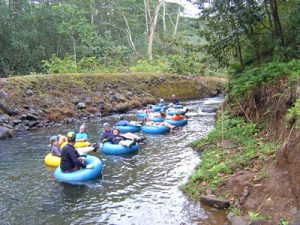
(30, 102)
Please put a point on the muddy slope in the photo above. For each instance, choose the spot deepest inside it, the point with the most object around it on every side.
(36, 101)
(271, 187)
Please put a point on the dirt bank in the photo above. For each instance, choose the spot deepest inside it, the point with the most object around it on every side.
(30, 102)
(255, 169)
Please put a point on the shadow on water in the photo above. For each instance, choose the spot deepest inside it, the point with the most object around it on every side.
(141, 188)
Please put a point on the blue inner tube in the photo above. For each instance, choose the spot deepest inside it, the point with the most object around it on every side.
(111, 149)
(173, 113)
(177, 122)
(83, 174)
(126, 129)
(141, 115)
(157, 119)
(155, 130)
(178, 106)
(156, 108)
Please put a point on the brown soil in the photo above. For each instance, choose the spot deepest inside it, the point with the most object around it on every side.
(270, 187)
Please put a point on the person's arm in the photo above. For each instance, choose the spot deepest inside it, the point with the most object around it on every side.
(74, 158)
(55, 151)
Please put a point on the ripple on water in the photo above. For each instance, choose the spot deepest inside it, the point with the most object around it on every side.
(140, 188)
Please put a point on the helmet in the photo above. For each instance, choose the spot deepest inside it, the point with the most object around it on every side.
(173, 96)
(161, 100)
(53, 138)
(122, 117)
(106, 125)
(82, 126)
(71, 136)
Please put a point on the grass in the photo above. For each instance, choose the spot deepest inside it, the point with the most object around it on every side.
(243, 146)
(255, 216)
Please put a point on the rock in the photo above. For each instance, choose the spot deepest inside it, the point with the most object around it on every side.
(5, 133)
(16, 121)
(29, 92)
(4, 119)
(70, 120)
(209, 110)
(119, 97)
(7, 110)
(28, 116)
(101, 106)
(81, 105)
(129, 94)
(33, 124)
(3, 94)
(213, 201)
(21, 128)
(236, 220)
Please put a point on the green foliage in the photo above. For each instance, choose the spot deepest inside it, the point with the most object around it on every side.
(156, 66)
(255, 216)
(235, 211)
(243, 146)
(284, 222)
(293, 115)
(268, 73)
(57, 65)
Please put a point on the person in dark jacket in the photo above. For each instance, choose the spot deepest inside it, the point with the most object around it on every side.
(107, 134)
(118, 139)
(123, 122)
(70, 158)
(174, 100)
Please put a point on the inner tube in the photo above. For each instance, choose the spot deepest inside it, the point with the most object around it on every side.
(155, 129)
(126, 129)
(82, 144)
(141, 115)
(209, 110)
(175, 118)
(153, 119)
(178, 106)
(83, 174)
(51, 160)
(173, 113)
(157, 108)
(177, 122)
(111, 149)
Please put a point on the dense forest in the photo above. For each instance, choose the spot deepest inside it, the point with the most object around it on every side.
(97, 36)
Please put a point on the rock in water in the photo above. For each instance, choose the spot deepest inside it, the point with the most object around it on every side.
(5, 132)
(213, 201)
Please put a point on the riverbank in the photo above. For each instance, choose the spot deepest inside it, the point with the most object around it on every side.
(250, 158)
(35, 101)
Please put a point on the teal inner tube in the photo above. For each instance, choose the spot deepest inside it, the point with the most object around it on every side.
(83, 174)
(111, 149)
(177, 122)
(141, 115)
(153, 119)
(178, 106)
(157, 108)
(155, 129)
(126, 129)
(173, 113)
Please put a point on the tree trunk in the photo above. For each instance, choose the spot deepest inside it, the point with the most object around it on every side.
(152, 27)
(277, 23)
(177, 21)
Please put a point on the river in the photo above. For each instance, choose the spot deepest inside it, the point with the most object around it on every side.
(142, 188)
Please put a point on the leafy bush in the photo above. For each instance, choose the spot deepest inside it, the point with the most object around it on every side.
(156, 66)
(293, 115)
(268, 73)
(57, 65)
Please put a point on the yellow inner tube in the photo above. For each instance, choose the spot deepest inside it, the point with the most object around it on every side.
(82, 144)
(51, 160)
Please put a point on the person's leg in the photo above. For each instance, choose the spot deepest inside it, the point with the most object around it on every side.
(126, 143)
(84, 150)
(166, 124)
(130, 136)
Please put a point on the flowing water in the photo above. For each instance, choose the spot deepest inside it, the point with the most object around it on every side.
(142, 188)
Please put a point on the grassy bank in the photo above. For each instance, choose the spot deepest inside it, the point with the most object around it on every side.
(55, 98)
(249, 158)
